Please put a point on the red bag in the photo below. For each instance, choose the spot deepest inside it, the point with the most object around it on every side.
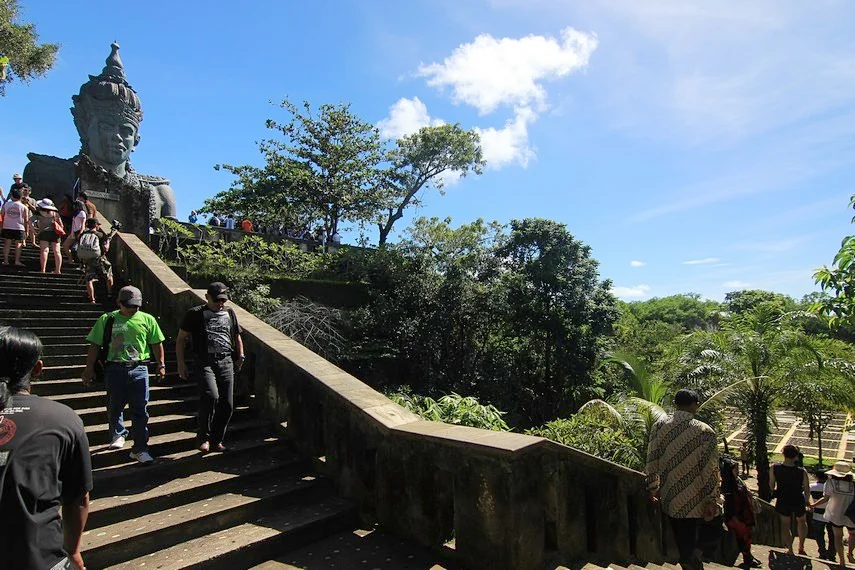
(58, 228)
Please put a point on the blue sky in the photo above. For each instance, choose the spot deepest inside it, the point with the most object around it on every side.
(696, 146)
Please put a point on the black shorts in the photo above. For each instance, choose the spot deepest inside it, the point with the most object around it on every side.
(12, 234)
(48, 236)
(790, 508)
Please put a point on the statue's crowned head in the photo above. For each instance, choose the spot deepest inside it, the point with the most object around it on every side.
(107, 113)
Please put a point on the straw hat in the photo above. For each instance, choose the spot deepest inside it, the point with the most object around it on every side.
(46, 204)
(840, 469)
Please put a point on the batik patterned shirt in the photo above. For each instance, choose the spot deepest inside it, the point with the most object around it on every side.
(682, 463)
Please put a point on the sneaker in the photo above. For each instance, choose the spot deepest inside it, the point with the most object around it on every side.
(143, 457)
(117, 443)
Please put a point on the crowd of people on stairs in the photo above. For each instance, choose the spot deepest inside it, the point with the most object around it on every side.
(45, 462)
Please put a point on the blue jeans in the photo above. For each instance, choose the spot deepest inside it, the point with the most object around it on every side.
(128, 386)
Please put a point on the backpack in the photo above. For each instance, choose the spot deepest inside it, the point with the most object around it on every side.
(101, 362)
(88, 246)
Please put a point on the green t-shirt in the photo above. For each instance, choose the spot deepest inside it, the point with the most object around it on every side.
(131, 336)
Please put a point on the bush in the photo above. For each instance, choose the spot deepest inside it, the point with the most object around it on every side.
(453, 409)
(254, 254)
(594, 436)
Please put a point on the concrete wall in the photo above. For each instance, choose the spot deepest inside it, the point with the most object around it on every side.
(509, 501)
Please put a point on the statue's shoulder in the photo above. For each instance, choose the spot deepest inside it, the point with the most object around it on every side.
(50, 175)
(153, 180)
(47, 160)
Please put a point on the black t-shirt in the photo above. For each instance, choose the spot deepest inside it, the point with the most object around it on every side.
(44, 462)
(212, 332)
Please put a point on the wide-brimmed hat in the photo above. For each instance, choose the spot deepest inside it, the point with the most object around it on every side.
(840, 469)
(46, 204)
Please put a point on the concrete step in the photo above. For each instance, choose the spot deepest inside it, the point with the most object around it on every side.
(60, 349)
(255, 541)
(135, 537)
(74, 395)
(56, 320)
(150, 497)
(67, 277)
(99, 434)
(74, 374)
(121, 480)
(51, 334)
(162, 447)
(98, 414)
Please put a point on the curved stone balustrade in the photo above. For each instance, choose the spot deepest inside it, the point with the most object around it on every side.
(509, 501)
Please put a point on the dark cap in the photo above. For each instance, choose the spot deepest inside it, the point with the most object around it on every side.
(92, 223)
(218, 291)
(130, 296)
(686, 397)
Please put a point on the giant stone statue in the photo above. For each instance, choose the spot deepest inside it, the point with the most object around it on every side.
(107, 113)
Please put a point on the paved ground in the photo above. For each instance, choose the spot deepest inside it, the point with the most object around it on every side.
(838, 442)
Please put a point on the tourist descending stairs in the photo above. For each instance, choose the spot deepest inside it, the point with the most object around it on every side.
(188, 509)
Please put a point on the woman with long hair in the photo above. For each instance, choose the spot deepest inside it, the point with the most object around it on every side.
(738, 510)
(44, 465)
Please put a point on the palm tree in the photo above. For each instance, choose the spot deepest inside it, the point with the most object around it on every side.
(747, 361)
(636, 409)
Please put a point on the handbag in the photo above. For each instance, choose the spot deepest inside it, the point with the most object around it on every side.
(58, 227)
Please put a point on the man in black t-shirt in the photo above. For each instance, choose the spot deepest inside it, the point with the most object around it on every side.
(44, 465)
(218, 350)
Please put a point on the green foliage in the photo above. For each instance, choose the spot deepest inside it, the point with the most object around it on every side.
(453, 409)
(594, 435)
(838, 283)
(516, 318)
(754, 300)
(21, 57)
(253, 255)
(417, 160)
(747, 364)
(322, 170)
(330, 167)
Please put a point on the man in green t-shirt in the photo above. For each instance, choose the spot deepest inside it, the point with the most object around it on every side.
(134, 336)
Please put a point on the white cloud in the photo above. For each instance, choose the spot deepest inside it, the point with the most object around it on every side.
(631, 292)
(703, 261)
(736, 284)
(489, 72)
(637, 263)
(509, 144)
(406, 117)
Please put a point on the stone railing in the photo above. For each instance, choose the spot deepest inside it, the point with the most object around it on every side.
(508, 501)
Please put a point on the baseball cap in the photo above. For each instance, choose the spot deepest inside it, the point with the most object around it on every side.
(218, 291)
(130, 296)
(91, 223)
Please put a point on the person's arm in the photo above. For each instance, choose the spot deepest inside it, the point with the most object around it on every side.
(772, 481)
(159, 356)
(74, 515)
(179, 353)
(652, 465)
(91, 359)
(806, 486)
(241, 357)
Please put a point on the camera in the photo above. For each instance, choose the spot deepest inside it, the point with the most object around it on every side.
(116, 225)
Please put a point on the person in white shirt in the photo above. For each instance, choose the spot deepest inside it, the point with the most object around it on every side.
(16, 218)
(230, 222)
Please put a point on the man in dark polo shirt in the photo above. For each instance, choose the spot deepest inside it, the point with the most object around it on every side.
(218, 351)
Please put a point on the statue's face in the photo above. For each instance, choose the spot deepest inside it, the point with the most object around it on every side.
(110, 140)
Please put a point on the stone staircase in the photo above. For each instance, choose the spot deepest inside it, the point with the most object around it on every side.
(188, 509)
